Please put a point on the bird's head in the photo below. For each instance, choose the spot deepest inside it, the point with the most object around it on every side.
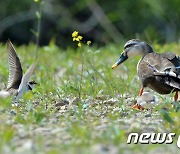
(133, 48)
(32, 84)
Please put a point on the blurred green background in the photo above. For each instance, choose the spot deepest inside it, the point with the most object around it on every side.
(100, 21)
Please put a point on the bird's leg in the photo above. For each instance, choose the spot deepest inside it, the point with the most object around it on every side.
(137, 106)
(176, 96)
(141, 91)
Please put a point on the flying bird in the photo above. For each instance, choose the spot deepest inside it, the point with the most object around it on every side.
(17, 82)
(159, 72)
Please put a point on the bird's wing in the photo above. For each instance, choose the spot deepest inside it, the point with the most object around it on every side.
(171, 77)
(172, 57)
(166, 66)
(173, 82)
(27, 75)
(15, 69)
(171, 73)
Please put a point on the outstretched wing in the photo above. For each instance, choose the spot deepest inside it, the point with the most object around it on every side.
(15, 69)
(26, 76)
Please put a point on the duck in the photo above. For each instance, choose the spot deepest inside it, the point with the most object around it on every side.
(159, 72)
(17, 82)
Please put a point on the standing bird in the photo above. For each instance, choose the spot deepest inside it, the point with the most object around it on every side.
(159, 72)
(17, 82)
(146, 101)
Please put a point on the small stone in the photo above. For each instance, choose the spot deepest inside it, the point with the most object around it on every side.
(111, 101)
(13, 112)
(63, 107)
(101, 97)
(61, 103)
(116, 109)
(148, 115)
(74, 101)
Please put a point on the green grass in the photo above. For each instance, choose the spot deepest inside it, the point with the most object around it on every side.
(81, 105)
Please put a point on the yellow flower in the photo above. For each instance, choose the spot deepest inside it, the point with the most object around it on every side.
(74, 39)
(75, 34)
(80, 37)
(79, 44)
(88, 42)
(77, 39)
(36, 1)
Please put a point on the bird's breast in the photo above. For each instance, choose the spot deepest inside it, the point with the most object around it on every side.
(4, 94)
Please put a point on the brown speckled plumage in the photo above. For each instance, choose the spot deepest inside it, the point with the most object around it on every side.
(160, 72)
(158, 63)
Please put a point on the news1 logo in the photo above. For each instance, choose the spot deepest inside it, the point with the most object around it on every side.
(154, 138)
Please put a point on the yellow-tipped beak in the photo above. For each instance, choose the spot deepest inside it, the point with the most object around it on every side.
(120, 60)
(137, 106)
(115, 65)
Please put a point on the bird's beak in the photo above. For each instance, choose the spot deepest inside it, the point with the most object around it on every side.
(137, 106)
(120, 60)
(36, 84)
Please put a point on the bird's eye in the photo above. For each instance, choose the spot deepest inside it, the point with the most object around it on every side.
(128, 45)
(32, 82)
